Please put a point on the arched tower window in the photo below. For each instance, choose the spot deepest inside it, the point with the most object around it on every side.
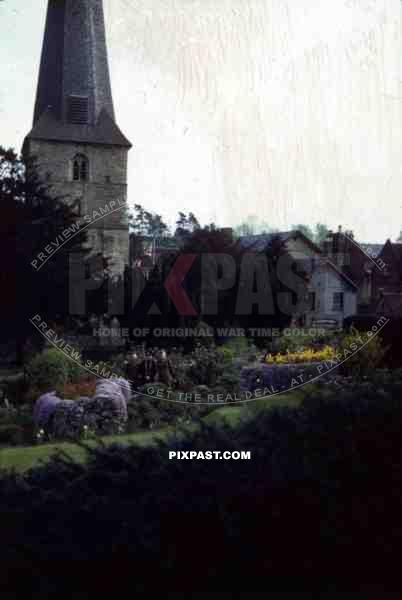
(80, 168)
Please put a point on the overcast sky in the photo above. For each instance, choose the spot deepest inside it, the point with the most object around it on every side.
(290, 110)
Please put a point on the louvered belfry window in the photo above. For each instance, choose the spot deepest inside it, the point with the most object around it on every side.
(78, 110)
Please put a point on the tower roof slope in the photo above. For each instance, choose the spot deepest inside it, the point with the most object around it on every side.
(104, 132)
(74, 97)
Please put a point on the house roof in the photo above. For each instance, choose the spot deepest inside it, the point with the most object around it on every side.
(397, 253)
(259, 243)
(391, 256)
(355, 255)
(341, 273)
(371, 249)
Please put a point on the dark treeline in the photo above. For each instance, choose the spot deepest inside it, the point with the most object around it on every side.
(225, 287)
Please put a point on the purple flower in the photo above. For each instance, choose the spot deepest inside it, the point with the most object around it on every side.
(125, 387)
(44, 408)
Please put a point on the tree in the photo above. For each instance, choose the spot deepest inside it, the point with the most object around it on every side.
(253, 226)
(316, 235)
(186, 225)
(305, 230)
(203, 278)
(321, 233)
(32, 221)
(145, 223)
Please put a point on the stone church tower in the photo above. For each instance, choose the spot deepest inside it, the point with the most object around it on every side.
(80, 152)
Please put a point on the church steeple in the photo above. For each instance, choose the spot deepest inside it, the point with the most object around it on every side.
(74, 93)
(77, 147)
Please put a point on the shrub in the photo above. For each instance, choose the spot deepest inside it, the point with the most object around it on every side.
(18, 416)
(297, 343)
(7, 415)
(15, 389)
(11, 435)
(44, 409)
(73, 391)
(54, 371)
(368, 357)
(145, 412)
(104, 414)
(302, 356)
(323, 486)
(206, 366)
(49, 369)
(229, 381)
(238, 348)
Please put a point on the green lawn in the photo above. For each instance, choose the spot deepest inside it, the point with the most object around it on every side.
(290, 398)
(25, 457)
(229, 415)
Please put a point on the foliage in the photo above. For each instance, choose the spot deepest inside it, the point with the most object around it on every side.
(73, 390)
(32, 220)
(15, 389)
(145, 412)
(103, 414)
(307, 355)
(16, 425)
(317, 235)
(145, 223)
(253, 225)
(186, 225)
(298, 340)
(11, 435)
(206, 365)
(368, 356)
(48, 369)
(238, 349)
(314, 487)
(52, 369)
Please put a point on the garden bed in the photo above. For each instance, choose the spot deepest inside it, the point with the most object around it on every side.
(279, 376)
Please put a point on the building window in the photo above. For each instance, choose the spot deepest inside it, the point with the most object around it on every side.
(337, 301)
(107, 178)
(80, 168)
(313, 300)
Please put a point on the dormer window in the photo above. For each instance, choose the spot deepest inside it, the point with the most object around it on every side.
(80, 168)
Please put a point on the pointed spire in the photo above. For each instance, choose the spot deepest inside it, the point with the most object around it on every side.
(74, 76)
